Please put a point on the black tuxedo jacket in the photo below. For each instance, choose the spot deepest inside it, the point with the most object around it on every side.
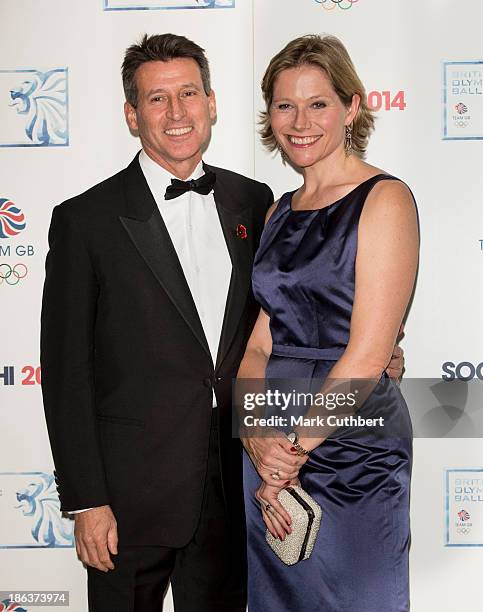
(127, 376)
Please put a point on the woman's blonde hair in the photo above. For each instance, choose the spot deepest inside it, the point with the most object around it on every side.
(330, 55)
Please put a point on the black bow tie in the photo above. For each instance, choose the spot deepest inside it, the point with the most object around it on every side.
(202, 185)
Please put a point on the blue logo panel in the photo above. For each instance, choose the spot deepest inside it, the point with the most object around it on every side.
(464, 507)
(34, 108)
(30, 511)
(146, 5)
(463, 100)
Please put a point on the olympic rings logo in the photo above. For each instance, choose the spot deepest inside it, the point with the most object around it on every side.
(463, 530)
(12, 276)
(330, 5)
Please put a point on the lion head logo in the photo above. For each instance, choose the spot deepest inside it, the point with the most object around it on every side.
(40, 501)
(42, 98)
(215, 3)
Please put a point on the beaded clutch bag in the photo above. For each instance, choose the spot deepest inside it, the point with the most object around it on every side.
(306, 514)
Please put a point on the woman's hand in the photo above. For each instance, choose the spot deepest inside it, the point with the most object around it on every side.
(273, 459)
(395, 368)
(275, 517)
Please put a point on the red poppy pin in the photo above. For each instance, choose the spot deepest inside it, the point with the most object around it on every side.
(241, 231)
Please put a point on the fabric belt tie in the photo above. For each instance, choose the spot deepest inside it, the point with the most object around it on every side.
(306, 352)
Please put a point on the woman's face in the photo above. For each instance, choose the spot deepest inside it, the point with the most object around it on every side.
(307, 117)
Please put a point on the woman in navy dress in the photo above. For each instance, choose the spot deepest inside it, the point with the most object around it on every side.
(334, 274)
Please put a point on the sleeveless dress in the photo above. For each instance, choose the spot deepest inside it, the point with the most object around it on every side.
(304, 278)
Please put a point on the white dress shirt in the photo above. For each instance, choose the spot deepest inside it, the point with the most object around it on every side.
(195, 230)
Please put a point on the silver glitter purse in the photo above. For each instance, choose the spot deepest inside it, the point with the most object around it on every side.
(306, 514)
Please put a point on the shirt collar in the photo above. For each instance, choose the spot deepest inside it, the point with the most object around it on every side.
(158, 178)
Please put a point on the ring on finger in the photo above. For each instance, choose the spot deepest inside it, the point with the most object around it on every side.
(269, 508)
(276, 474)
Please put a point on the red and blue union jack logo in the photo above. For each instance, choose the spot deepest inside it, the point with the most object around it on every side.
(461, 108)
(6, 606)
(12, 220)
(463, 516)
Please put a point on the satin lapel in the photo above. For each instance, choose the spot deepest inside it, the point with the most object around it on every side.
(151, 238)
(233, 213)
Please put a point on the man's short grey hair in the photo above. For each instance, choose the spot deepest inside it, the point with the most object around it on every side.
(161, 48)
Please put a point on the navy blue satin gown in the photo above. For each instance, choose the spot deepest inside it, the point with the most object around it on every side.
(304, 278)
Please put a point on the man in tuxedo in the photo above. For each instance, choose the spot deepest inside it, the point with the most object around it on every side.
(146, 312)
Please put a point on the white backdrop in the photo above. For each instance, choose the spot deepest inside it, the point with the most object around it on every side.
(397, 46)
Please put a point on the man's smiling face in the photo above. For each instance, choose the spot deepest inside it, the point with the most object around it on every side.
(173, 115)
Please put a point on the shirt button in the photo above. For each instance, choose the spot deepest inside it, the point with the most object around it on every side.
(207, 382)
